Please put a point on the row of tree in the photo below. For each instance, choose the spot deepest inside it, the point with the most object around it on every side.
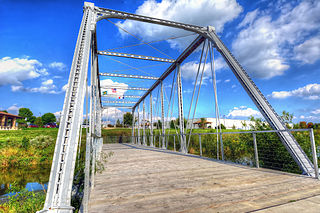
(286, 116)
(28, 117)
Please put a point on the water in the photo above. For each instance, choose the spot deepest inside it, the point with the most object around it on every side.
(32, 179)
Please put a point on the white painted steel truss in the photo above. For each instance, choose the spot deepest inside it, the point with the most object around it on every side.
(58, 197)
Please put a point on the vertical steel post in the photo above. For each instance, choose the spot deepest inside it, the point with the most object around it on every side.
(221, 146)
(162, 117)
(180, 108)
(62, 170)
(314, 154)
(174, 142)
(133, 123)
(256, 156)
(139, 141)
(144, 124)
(200, 145)
(87, 162)
(151, 121)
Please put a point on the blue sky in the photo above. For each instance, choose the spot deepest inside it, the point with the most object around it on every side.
(277, 42)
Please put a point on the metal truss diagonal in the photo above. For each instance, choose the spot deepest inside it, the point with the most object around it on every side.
(135, 56)
(196, 43)
(128, 76)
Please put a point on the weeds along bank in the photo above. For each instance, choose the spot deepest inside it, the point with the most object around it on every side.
(27, 148)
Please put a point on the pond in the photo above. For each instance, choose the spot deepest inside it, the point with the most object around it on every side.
(32, 179)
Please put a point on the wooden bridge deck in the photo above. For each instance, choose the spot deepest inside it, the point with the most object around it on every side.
(150, 180)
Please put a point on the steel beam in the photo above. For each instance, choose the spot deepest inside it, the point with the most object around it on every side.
(58, 197)
(180, 109)
(135, 56)
(128, 76)
(263, 105)
(108, 13)
(144, 124)
(116, 106)
(125, 96)
(196, 43)
(133, 123)
(151, 122)
(162, 117)
(139, 141)
(119, 102)
(126, 88)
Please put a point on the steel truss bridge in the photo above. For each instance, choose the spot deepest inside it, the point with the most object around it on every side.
(58, 197)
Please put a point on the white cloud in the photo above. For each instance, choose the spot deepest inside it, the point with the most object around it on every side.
(47, 87)
(243, 111)
(309, 51)
(108, 83)
(65, 87)
(310, 92)
(202, 13)
(15, 70)
(58, 65)
(57, 114)
(310, 118)
(248, 19)
(112, 113)
(316, 111)
(14, 109)
(264, 43)
(189, 70)
(227, 80)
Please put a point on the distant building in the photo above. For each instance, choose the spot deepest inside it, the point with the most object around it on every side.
(228, 123)
(8, 121)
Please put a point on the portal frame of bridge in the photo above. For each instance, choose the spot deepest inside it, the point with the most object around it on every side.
(58, 197)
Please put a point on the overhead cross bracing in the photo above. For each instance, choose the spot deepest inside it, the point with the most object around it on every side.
(58, 197)
(122, 96)
(128, 76)
(119, 102)
(125, 88)
(135, 56)
(116, 106)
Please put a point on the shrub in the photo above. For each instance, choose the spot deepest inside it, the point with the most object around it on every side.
(42, 141)
(25, 143)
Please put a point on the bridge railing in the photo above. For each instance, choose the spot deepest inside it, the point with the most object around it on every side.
(252, 148)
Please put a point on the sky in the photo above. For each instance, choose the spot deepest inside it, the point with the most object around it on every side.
(277, 42)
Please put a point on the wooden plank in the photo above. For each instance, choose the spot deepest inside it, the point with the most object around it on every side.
(149, 180)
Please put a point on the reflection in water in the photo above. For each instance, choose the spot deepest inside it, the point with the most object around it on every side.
(30, 178)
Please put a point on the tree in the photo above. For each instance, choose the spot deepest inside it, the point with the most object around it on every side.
(159, 124)
(48, 118)
(287, 118)
(184, 122)
(26, 113)
(118, 123)
(171, 124)
(222, 127)
(310, 125)
(303, 125)
(203, 123)
(127, 119)
(4, 111)
(38, 121)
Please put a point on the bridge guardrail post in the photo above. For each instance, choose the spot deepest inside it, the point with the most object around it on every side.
(200, 145)
(314, 154)
(256, 156)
